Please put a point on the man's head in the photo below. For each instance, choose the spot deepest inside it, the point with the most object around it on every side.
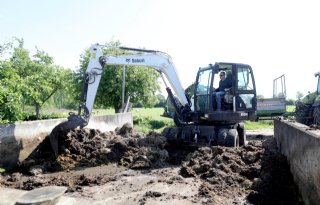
(222, 75)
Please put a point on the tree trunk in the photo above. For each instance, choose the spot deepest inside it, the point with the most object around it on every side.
(116, 108)
(38, 108)
(117, 104)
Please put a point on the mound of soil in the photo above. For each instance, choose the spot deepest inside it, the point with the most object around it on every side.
(90, 147)
(256, 170)
(253, 174)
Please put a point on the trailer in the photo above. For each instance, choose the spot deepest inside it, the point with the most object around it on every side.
(268, 108)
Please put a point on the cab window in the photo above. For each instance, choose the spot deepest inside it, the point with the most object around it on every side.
(204, 82)
(244, 79)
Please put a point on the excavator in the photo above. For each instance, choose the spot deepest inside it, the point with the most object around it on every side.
(196, 118)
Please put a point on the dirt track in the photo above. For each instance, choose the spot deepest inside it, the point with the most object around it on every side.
(125, 167)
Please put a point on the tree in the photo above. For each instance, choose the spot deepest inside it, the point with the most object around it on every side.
(11, 89)
(27, 80)
(141, 82)
(299, 95)
(162, 101)
(41, 78)
(66, 97)
(42, 85)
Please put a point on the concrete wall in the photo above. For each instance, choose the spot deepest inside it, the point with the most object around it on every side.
(301, 146)
(18, 140)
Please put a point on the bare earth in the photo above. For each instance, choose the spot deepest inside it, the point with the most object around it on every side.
(126, 167)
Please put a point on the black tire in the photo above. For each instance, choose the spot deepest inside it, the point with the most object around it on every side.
(222, 135)
(242, 134)
(316, 115)
(232, 139)
(166, 131)
(170, 133)
(304, 113)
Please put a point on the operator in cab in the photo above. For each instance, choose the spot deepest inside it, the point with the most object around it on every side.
(220, 91)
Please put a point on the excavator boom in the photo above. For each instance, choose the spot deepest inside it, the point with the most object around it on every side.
(157, 60)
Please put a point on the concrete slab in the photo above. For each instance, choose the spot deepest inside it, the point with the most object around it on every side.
(43, 195)
(11, 196)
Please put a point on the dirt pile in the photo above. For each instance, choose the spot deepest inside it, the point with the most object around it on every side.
(256, 170)
(90, 147)
(253, 174)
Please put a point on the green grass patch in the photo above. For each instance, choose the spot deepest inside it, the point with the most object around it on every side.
(262, 124)
(291, 108)
(150, 119)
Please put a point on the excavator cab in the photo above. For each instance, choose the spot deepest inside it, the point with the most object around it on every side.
(209, 126)
(238, 101)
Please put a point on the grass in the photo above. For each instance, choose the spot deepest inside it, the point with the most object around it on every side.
(258, 125)
(150, 119)
(291, 108)
(146, 119)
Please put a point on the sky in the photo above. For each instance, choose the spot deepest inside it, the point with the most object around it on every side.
(275, 37)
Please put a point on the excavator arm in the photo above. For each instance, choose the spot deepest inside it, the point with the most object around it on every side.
(157, 60)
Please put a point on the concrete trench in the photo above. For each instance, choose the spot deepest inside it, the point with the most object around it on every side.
(299, 143)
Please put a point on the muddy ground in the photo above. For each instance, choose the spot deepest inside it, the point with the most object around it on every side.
(126, 167)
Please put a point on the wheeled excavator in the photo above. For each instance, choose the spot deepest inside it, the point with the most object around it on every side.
(197, 121)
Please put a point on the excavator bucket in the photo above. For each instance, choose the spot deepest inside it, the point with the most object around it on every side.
(63, 128)
(58, 131)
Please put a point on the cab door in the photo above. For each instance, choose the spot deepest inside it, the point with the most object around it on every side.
(203, 90)
(245, 89)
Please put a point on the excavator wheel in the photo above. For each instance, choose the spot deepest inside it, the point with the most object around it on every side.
(170, 133)
(232, 139)
(222, 135)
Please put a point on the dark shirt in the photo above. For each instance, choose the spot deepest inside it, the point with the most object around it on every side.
(226, 83)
